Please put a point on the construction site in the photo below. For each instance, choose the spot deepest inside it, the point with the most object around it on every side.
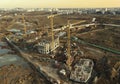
(54, 48)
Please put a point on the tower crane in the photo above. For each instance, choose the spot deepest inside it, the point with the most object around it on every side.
(69, 58)
(68, 27)
(11, 24)
(14, 20)
(25, 29)
(51, 17)
(68, 47)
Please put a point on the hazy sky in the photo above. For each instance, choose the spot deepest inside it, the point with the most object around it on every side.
(58, 3)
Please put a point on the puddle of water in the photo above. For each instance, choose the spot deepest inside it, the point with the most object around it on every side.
(3, 48)
(11, 59)
(7, 59)
(4, 51)
(3, 44)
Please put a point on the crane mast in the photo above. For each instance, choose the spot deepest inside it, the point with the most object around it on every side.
(68, 46)
(52, 32)
(25, 29)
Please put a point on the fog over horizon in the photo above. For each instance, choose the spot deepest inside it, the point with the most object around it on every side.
(59, 3)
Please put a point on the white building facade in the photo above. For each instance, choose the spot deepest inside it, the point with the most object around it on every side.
(45, 46)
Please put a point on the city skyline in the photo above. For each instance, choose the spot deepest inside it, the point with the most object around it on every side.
(59, 3)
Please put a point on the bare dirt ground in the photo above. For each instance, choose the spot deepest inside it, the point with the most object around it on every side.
(105, 36)
(14, 74)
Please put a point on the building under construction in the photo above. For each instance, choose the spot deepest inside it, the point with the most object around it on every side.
(45, 46)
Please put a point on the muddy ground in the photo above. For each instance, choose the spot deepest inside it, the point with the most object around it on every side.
(106, 36)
